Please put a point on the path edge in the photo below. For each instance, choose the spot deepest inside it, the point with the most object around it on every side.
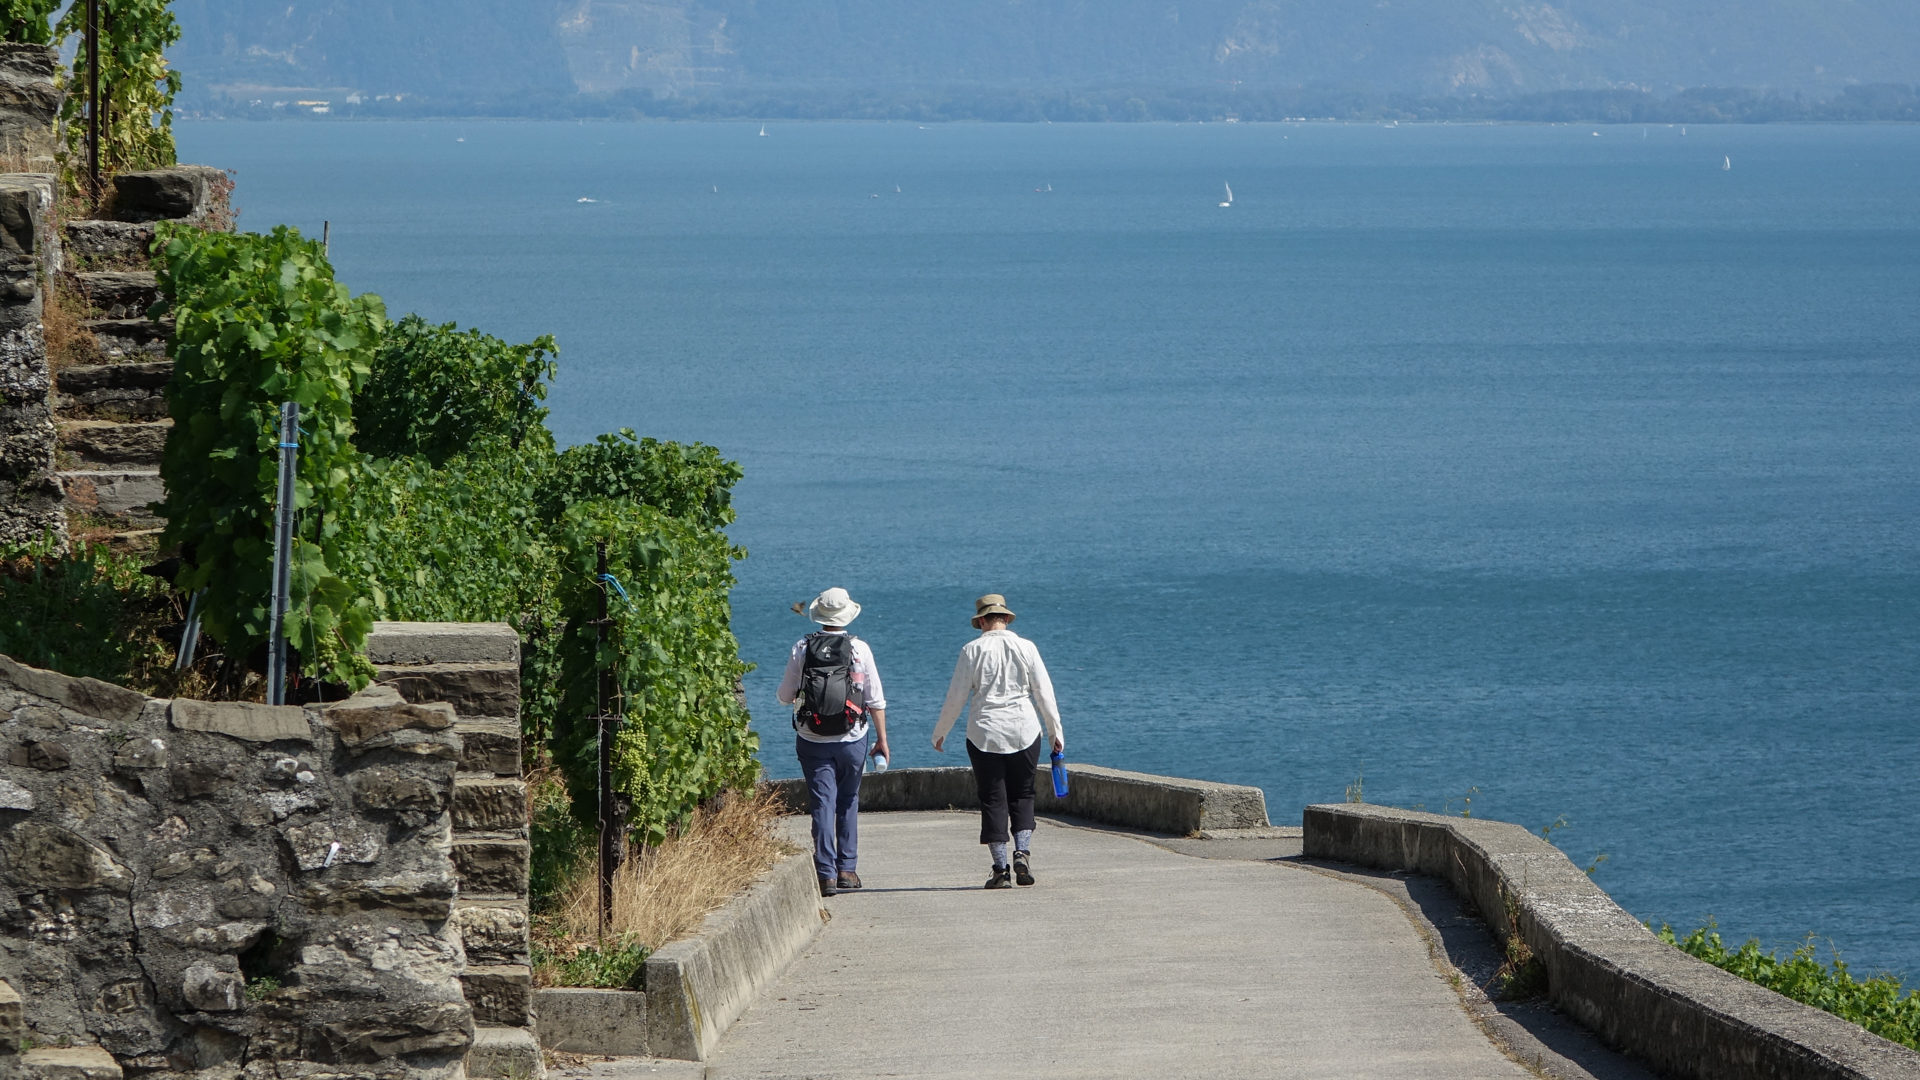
(1643, 997)
(698, 986)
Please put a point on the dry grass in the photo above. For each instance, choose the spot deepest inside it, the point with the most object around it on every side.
(62, 318)
(663, 893)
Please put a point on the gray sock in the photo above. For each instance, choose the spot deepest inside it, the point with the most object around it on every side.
(1023, 841)
(998, 849)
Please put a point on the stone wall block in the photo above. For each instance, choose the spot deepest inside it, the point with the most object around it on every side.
(495, 932)
(377, 719)
(69, 1063)
(489, 867)
(242, 720)
(490, 746)
(489, 805)
(473, 690)
(181, 192)
(500, 993)
(101, 700)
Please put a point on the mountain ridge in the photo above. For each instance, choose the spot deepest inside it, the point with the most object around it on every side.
(471, 51)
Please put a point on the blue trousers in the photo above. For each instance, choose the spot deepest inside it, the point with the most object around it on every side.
(832, 771)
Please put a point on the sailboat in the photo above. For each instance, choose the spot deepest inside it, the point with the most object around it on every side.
(1229, 201)
(1726, 164)
(763, 131)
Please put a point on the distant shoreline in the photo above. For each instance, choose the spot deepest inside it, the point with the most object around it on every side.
(1873, 103)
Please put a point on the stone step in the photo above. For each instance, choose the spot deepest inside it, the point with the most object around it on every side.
(491, 868)
(113, 493)
(489, 746)
(104, 444)
(93, 244)
(489, 805)
(505, 1053)
(495, 931)
(134, 339)
(119, 294)
(500, 993)
(68, 1063)
(131, 390)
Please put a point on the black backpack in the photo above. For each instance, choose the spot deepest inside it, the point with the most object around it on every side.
(830, 702)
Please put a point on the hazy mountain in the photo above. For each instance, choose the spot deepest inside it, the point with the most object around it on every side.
(499, 50)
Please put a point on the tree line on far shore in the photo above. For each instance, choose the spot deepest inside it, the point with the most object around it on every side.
(1880, 102)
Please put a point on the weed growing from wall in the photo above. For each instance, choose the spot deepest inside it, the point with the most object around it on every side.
(1875, 1003)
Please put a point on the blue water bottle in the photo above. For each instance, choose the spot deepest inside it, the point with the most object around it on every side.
(1059, 776)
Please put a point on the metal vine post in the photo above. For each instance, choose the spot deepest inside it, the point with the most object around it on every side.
(282, 556)
(609, 827)
(93, 98)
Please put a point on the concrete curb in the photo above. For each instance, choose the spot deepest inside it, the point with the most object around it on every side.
(1681, 1015)
(584, 1020)
(1163, 804)
(698, 986)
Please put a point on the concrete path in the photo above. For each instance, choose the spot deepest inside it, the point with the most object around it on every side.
(1126, 959)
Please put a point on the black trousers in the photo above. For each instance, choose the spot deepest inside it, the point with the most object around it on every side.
(1005, 783)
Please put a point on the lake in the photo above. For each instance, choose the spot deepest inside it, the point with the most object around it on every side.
(1546, 472)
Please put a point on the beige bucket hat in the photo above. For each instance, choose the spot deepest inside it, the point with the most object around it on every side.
(833, 608)
(992, 604)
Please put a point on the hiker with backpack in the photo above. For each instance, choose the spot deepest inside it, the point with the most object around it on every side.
(835, 690)
(1012, 695)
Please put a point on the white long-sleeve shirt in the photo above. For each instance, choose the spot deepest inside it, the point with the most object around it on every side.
(865, 676)
(1003, 673)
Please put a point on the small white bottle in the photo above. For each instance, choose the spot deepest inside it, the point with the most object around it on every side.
(879, 763)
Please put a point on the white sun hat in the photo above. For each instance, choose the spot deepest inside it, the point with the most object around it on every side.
(833, 608)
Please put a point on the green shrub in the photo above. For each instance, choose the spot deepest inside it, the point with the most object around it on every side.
(136, 86)
(1875, 1003)
(259, 320)
(684, 480)
(438, 392)
(28, 22)
(88, 613)
(684, 734)
(616, 965)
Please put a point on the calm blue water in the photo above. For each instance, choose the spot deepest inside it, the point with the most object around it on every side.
(1573, 474)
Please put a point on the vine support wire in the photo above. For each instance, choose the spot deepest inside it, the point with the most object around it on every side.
(609, 827)
(282, 556)
(93, 98)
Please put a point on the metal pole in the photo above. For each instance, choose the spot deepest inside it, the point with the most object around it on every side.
(326, 236)
(93, 97)
(609, 853)
(282, 556)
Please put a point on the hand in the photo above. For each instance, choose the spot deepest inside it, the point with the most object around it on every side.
(880, 749)
(1059, 745)
(940, 743)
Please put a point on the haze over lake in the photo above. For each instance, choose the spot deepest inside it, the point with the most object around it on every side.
(1573, 470)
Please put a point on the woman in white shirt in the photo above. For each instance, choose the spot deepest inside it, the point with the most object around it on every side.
(1003, 673)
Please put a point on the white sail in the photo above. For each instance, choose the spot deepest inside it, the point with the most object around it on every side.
(1726, 163)
(1229, 201)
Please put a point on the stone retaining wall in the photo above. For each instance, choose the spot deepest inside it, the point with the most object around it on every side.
(1682, 1015)
(253, 890)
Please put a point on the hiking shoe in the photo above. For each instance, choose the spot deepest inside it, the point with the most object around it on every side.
(1002, 878)
(848, 880)
(1022, 873)
(827, 887)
